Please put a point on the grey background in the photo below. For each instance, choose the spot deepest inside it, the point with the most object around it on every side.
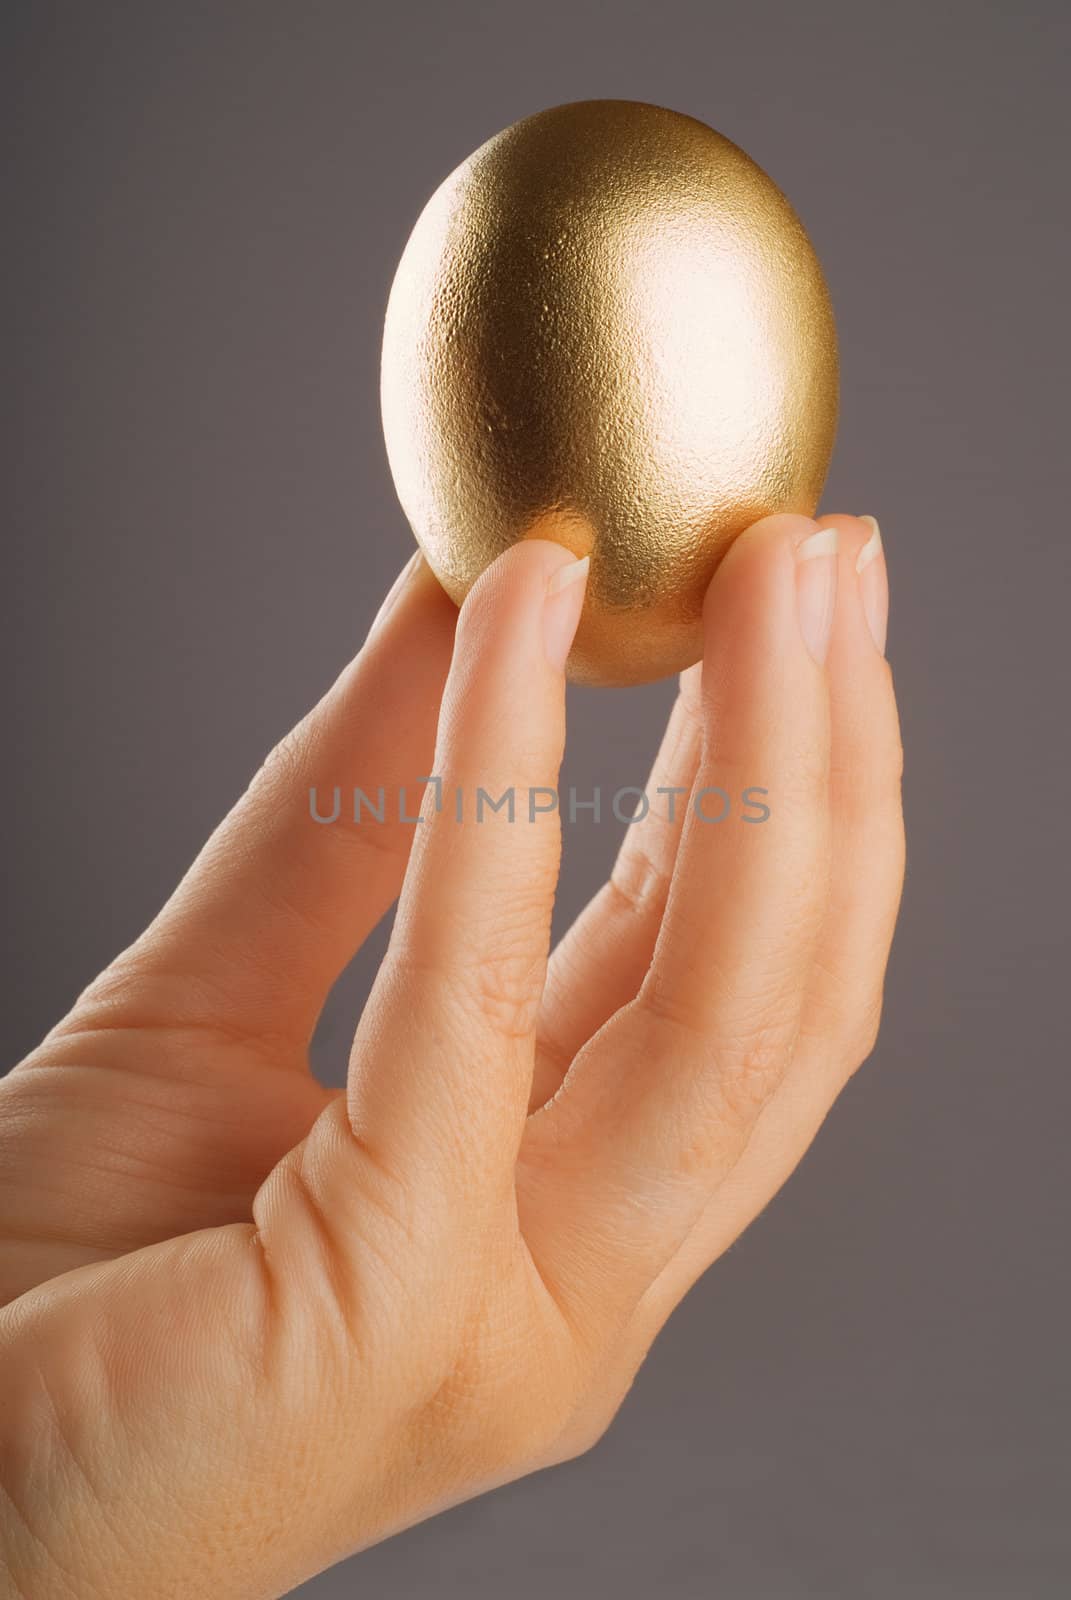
(203, 208)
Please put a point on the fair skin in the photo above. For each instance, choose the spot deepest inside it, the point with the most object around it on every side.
(251, 1324)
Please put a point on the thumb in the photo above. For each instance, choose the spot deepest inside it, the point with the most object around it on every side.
(467, 959)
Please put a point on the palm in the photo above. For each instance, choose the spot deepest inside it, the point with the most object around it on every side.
(118, 1138)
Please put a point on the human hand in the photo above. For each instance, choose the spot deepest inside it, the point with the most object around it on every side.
(253, 1324)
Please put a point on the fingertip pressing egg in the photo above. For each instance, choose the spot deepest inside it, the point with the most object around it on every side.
(608, 328)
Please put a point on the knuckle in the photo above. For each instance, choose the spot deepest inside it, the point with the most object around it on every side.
(868, 764)
(288, 1206)
(809, 769)
(801, 767)
(844, 1028)
(869, 786)
(340, 1259)
(479, 980)
(286, 761)
(804, 778)
(662, 1011)
(750, 1070)
(722, 1088)
(599, 1396)
(526, 1440)
(864, 1035)
(505, 986)
(581, 1435)
(639, 883)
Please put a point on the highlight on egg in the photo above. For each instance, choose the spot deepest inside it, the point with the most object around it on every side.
(608, 328)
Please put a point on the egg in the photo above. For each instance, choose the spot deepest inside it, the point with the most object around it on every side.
(608, 328)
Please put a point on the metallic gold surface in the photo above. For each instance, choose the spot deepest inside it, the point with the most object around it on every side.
(608, 328)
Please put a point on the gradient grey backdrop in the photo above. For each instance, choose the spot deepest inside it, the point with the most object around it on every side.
(868, 1397)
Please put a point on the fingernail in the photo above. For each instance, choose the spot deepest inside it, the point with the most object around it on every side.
(561, 609)
(393, 592)
(873, 585)
(816, 589)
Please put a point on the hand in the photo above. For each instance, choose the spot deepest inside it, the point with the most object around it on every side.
(253, 1324)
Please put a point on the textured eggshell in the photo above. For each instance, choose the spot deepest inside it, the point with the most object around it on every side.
(608, 328)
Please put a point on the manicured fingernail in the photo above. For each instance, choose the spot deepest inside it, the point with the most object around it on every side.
(816, 589)
(873, 584)
(393, 592)
(561, 609)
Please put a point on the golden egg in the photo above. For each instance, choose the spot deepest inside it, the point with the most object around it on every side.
(608, 328)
